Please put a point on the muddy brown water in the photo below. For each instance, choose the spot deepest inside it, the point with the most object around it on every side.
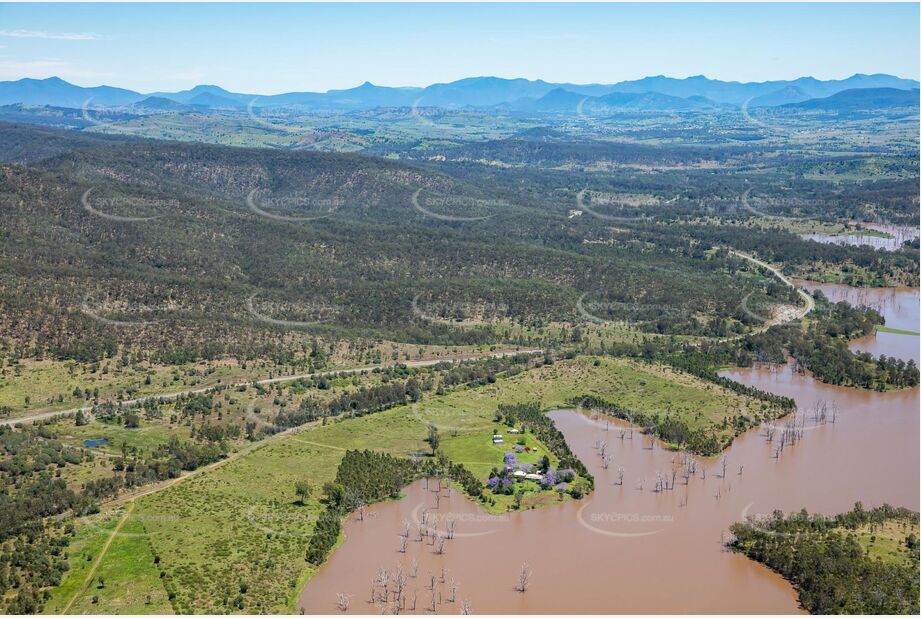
(898, 305)
(627, 548)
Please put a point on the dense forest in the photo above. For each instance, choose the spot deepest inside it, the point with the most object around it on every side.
(834, 572)
(363, 477)
(136, 265)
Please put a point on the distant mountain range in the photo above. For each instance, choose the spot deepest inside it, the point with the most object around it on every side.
(860, 99)
(647, 94)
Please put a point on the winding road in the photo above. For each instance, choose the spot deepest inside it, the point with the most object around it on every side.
(800, 313)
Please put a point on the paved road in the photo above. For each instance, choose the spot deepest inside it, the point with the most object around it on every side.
(194, 391)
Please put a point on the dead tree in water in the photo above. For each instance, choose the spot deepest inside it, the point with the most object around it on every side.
(440, 545)
(769, 433)
(449, 528)
(620, 476)
(415, 593)
(383, 582)
(466, 609)
(414, 567)
(403, 543)
(524, 576)
(448, 484)
(342, 601)
(399, 586)
(406, 528)
(453, 590)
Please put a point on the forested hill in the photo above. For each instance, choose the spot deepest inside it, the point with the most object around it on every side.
(187, 250)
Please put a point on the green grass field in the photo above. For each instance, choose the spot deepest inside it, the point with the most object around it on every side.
(896, 331)
(886, 542)
(144, 438)
(127, 580)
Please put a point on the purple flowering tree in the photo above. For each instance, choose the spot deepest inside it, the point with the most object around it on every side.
(549, 479)
(510, 461)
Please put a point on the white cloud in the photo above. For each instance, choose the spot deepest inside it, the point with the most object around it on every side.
(44, 34)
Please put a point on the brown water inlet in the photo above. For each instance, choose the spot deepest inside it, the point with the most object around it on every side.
(628, 549)
(900, 307)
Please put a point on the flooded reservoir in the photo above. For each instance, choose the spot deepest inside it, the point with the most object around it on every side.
(887, 238)
(627, 548)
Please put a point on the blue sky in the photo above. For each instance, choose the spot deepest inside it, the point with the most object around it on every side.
(271, 48)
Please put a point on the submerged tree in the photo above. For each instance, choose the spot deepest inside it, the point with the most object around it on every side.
(524, 576)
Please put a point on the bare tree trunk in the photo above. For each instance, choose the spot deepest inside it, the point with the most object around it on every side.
(524, 576)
